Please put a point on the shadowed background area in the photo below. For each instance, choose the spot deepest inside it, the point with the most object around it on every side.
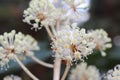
(103, 14)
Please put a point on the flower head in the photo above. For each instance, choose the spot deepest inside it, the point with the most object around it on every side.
(28, 43)
(82, 72)
(113, 74)
(40, 13)
(72, 43)
(12, 77)
(77, 9)
(102, 40)
(13, 43)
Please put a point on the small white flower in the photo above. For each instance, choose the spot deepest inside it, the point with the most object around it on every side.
(15, 44)
(57, 3)
(113, 74)
(72, 43)
(28, 44)
(77, 9)
(40, 13)
(82, 72)
(12, 77)
(102, 40)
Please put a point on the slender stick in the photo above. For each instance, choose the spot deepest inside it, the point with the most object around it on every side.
(66, 72)
(41, 62)
(57, 24)
(57, 66)
(25, 69)
(53, 29)
(57, 63)
(49, 32)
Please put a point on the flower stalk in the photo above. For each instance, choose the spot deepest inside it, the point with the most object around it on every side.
(41, 62)
(25, 69)
(66, 71)
(57, 66)
(49, 32)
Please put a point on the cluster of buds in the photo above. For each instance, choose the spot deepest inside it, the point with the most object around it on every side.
(69, 42)
(51, 12)
(84, 72)
(101, 40)
(72, 43)
(113, 74)
(40, 13)
(12, 77)
(13, 43)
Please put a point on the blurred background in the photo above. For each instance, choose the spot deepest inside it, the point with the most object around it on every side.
(103, 14)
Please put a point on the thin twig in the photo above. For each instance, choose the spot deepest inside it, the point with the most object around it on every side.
(49, 32)
(25, 69)
(57, 67)
(41, 62)
(66, 72)
(57, 24)
(53, 29)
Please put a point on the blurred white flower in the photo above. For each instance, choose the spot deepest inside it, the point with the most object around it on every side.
(77, 10)
(72, 43)
(116, 40)
(7, 47)
(56, 12)
(29, 44)
(13, 43)
(12, 77)
(82, 72)
(102, 40)
(57, 3)
(40, 13)
(113, 74)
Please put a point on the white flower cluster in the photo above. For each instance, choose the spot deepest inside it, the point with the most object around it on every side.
(13, 43)
(77, 9)
(40, 13)
(82, 72)
(72, 43)
(46, 13)
(102, 40)
(114, 74)
(12, 77)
